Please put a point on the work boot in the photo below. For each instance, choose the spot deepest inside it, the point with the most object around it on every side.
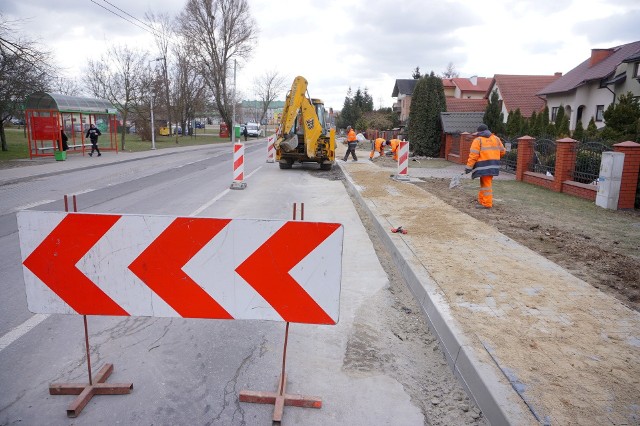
(99, 155)
(480, 206)
(91, 154)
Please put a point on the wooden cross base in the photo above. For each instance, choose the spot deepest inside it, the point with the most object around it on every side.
(85, 391)
(280, 399)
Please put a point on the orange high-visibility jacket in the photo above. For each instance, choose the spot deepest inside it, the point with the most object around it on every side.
(395, 143)
(484, 156)
(351, 136)
(380, 145)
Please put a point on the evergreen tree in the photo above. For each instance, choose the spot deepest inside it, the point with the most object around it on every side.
(346, 115)
(493, 116)
(525, 128)
(622, 118)
(515, 123)
(418, 117)
(416, 73)
(425, 129)
(578, 133)
(533, 125)
(543, 124)
(561, 123)
(592, 130)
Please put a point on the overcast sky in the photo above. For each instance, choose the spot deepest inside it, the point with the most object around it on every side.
(337, 44)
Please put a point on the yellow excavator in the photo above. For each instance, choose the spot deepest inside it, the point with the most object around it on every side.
(303, 135)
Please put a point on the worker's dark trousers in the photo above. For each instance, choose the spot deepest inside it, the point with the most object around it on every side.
(351, 148)
(94, 147)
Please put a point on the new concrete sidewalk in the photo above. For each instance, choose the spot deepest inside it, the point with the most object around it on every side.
(530, 342)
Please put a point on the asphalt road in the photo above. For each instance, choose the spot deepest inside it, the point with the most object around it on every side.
(189, 371)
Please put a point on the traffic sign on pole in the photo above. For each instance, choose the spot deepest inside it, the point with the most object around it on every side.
(164, 266)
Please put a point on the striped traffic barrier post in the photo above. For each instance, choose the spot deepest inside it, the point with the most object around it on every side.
(238, 167)
(403, 161)
(271, 149)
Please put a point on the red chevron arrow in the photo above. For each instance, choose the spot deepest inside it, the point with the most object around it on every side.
(267, 271)
(54, 260)
(160, 267)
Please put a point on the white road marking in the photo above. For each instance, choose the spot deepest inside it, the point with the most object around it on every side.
(32, 205)
(21, 330)
(217, 197)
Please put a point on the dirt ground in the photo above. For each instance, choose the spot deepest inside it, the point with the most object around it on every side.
(569, 351)
(601, 249)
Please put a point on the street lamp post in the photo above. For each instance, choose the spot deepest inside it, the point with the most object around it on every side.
(153, 127)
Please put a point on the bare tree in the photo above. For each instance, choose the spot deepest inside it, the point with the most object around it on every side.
(190, 87)
(67, 86)
(24, 69)
(221, 30)
(450, 72)
(268, 87)
(119, 76)
(164, 32)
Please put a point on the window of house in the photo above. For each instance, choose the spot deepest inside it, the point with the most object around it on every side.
(636, 70)
(554, 113)
(599, 112)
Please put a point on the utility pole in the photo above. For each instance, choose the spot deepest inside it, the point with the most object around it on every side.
(153, 127)
(166, 86)
(233, 117)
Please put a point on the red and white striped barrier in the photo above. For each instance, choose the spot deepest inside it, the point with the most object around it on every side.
(166, 266)
(238, 167)
(271, 149)
(403, 161)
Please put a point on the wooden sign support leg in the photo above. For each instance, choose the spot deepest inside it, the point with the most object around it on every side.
(85, 391)
(281, 398)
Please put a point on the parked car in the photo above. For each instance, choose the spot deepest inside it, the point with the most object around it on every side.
(17, 121)
(199, 125)
(177, 130)
(253, 129)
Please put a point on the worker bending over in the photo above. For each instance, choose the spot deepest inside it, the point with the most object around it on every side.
(395, 144)
(378, 146)
(484, 160)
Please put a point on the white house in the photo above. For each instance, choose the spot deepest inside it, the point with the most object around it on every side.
(587, 90)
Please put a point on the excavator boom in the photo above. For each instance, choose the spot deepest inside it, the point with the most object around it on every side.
(303, 119)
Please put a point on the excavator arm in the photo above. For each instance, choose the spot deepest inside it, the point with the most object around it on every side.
(312, 128)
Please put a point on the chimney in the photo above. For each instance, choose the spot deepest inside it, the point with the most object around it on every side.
(557, 74)
(474, 80)
(598, 55)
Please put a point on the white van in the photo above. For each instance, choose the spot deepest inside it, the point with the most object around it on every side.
(253, 129)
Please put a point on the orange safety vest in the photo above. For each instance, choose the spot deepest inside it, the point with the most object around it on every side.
(351, 136)
(380, 144)
(484, 156)
(395, 143)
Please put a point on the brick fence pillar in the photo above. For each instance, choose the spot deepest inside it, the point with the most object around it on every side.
(447, 145)
(465, 146)
(525, 155)
(565, 161)
(630, 170)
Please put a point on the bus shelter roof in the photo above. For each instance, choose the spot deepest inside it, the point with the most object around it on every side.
(66, 103)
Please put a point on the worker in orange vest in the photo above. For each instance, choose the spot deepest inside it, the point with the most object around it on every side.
(484, 160)
(352, 142)
(395, 144)
(378, 146)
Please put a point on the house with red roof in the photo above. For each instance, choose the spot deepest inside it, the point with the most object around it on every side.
(588, 89)
(520, 92)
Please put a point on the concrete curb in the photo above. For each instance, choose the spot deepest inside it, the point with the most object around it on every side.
(482, 380)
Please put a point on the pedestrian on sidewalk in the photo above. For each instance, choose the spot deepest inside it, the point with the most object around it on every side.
(93, 134)
(245, 133)
(484, 160)
(63, 140)
(352, 142)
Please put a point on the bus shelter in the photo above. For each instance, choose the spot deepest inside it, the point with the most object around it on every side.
(47, 114)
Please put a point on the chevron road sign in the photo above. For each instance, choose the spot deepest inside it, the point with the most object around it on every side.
(163, 266)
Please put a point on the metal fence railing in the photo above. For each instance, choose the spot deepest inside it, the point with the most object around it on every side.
(588, 158)
(544, 157)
